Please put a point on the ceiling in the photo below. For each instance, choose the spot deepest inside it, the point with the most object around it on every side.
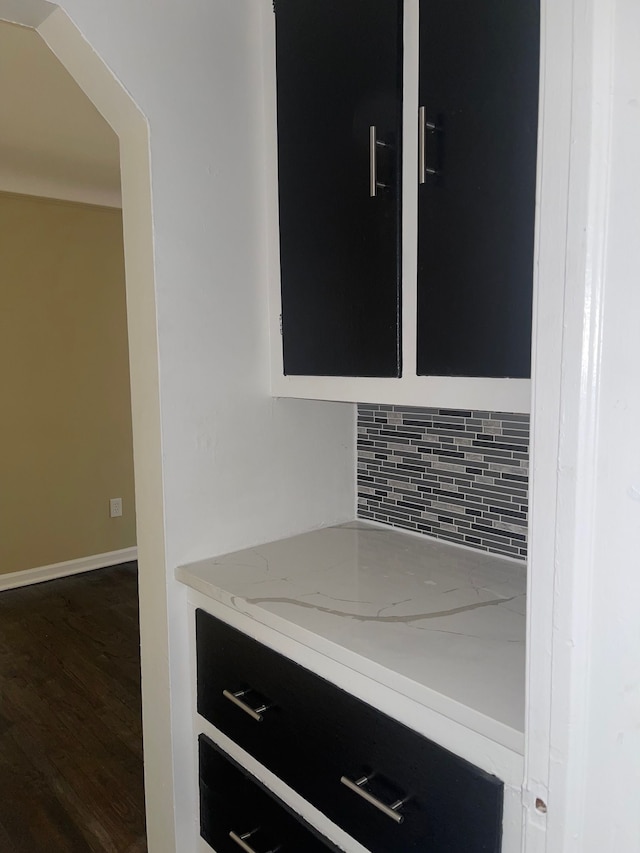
(31, 13)
(53, 141)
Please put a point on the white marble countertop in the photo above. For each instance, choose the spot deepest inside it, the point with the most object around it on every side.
(442, 624)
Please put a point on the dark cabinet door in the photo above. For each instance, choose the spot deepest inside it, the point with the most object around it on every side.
(235, 809)
(479, 88)
(339, 73)
(320, 740)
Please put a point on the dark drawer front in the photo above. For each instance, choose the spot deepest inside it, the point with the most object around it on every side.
(313, 735)
(233, 802)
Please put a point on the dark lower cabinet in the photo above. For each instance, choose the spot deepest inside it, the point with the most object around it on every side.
(383, 783)
(237, 813)
(479, 96)
(339, 104)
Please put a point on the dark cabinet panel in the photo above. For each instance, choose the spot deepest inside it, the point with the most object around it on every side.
(479, 86)
(339, 72)
(235, 807)
(322, 742)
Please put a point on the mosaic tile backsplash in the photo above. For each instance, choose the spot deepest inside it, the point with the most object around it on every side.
(456, 475)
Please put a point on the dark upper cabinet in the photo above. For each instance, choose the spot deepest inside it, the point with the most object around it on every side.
(479, 92)
(339, 105)
(339, 74)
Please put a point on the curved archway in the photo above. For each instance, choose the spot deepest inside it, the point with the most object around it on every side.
(130, 125)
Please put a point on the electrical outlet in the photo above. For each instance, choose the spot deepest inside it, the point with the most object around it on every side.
(115, 507)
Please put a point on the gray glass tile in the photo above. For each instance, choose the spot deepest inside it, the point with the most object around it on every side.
(440, 470)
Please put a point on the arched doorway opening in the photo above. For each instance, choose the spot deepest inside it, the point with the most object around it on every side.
(130, 125)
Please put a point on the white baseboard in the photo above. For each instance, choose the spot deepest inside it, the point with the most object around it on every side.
(70, 567)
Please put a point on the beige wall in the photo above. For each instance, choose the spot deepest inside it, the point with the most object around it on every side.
(65, 422)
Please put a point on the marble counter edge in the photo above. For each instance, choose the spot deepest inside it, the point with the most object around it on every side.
(494, 730)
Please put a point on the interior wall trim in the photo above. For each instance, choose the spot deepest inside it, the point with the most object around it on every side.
(12, 580)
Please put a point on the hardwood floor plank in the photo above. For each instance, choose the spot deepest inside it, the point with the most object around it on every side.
(94, 687)
(32, 816)
(71, 775)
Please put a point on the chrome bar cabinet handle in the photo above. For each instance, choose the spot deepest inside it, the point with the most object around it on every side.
(423, 127)
(240, 840)
(422, 145)
(374, 144)
(373, 165)
(254, 713)
(390, 811)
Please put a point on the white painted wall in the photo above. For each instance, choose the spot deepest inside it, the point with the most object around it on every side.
(238, 468)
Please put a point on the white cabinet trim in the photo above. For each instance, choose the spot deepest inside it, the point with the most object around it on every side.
(441, 392)
(567, 508)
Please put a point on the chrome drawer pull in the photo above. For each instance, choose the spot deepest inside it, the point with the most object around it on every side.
(254, 713)
(423, 127)
(390, 811)
(240, 840)
(374, 144)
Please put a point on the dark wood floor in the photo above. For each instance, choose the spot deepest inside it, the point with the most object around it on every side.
(70, 727)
